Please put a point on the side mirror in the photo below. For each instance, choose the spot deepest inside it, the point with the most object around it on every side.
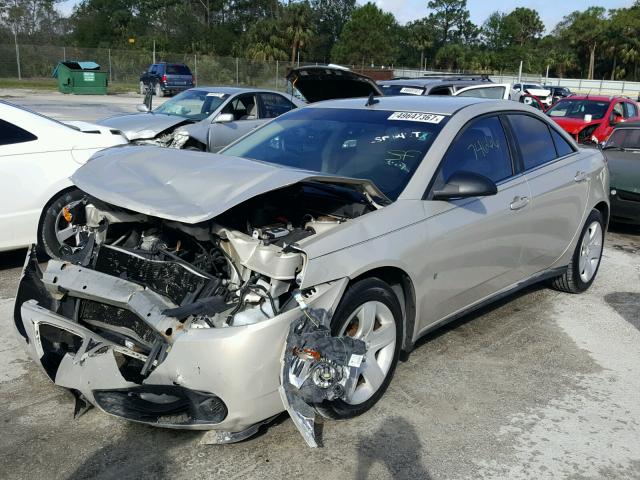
(224, 118)
(464, 185)
(142, 108)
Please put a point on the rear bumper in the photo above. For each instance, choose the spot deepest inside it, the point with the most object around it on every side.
(176, 88)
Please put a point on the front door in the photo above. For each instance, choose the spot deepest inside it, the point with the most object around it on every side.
(244, 109)
(474, 244)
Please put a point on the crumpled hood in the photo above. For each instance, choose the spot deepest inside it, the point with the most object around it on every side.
(574, 125)
(188, 186)
(538, 92)
(142, 125)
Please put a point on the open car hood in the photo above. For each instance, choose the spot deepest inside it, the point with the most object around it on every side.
(188, 186)
(317, 83)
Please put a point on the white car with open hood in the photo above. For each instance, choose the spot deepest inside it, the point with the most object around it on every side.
(37, 157)
(215, 291)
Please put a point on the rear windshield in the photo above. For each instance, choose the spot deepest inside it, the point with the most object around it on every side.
(178, 70)
(391, 90)
(625, 138)
(569, 108)
(382, 146)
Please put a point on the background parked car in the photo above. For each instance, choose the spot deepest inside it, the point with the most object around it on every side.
(431, 85)
(622, 150)
(166, 78)
(541, 93)
(204, 118)
(37, 157)
(558, 92)
(591, 118)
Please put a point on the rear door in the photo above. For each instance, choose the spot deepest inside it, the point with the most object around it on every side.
(474, 244)
(245, 110)
(559, 180)
(495, 91)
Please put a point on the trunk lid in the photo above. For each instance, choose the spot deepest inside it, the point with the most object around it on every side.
(328, 82)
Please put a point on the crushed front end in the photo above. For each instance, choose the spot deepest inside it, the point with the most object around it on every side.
(180, 325)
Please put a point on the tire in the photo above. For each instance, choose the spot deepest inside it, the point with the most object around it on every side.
(585, 262)
(52, 222)
(388, 322)
(158, 91)
(142, 88)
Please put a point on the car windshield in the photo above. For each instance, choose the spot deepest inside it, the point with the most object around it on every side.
(625, 138)
(391, 90)
(382, 146)
(579, 109)
(192, 104)
(532, 85)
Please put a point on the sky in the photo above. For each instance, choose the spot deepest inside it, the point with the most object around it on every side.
(551, 11)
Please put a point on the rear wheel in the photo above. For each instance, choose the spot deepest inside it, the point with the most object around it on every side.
(56, 234)
(586, 258)
(369, 311)
(158, 91)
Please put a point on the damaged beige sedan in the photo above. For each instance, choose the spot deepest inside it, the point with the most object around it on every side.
(214, 292)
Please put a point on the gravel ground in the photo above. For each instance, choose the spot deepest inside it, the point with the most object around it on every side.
(542, 385)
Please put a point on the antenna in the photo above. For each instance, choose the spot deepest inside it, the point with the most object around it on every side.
(371, 100)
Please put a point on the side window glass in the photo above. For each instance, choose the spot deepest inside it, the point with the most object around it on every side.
(618, 110)
(630, 110)
(481, 148)
(534, 140)
(562, 146)
(275, 105)
(11, 134)
(243, 107)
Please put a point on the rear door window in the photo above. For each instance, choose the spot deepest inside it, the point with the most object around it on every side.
(481, 148)
(11, 134)
(533, 139)
(274, 105)
(630, 110)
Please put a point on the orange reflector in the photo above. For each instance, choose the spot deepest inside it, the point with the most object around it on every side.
(67, 214)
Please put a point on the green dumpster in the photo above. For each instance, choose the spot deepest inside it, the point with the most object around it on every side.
(81, 77)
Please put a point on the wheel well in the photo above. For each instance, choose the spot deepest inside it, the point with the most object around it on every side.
(48, 204)
(192, 142)
(402, 286)
(603, 208)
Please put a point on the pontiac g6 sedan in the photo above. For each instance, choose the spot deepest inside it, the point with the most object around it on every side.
(290, 271)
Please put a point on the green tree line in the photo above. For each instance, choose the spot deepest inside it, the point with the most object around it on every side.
(591, 43)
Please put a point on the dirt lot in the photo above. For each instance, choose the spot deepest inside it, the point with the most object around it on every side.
(543, 385)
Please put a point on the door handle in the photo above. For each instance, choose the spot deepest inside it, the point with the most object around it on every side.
(519, 202)
(580, 176)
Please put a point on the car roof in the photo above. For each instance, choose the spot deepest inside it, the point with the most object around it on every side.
(424, 82)
(441, 104)
(597, 98)
(232, 90)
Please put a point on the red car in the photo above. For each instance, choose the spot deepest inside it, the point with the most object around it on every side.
(589, 118)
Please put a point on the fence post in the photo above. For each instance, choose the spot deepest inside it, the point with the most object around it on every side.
(110, 75)
(15, 37)
(237, 72)
(195, 68)
(277, 72)
(64, 54)
(600, 88)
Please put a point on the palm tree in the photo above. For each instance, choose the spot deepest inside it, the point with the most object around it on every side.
(297, 18)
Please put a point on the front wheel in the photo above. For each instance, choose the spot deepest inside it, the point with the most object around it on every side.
(585, 262)
(369, 311)
(58, 233)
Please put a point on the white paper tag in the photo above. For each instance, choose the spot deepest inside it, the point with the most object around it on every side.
(355, 360)
(412, 91)
(588, 117)
(416, 117)
(218, 95)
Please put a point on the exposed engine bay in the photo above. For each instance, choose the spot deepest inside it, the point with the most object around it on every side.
(141, 282)
(173, 138)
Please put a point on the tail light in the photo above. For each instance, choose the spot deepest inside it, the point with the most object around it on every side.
(164, 79)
